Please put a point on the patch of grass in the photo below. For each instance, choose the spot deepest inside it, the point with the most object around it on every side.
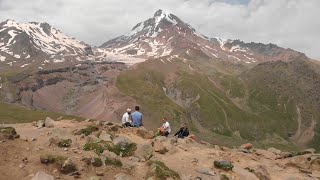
(123, 151)
(11, 114)
(97, 162)
(94, 146)
(224, 177)
(64, 143)
(161, 171)
(8, 132)
(88, 130)
(48, 159)
(113, 162)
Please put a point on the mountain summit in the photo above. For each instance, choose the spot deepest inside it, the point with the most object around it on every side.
(166, 35)
(26, 40)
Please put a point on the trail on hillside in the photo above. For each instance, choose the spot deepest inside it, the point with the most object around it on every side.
(298, 132)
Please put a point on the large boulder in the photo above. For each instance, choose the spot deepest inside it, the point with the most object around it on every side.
(49, 123)
(122, 141)
(42, 176)
(104, 136)
(144, 151)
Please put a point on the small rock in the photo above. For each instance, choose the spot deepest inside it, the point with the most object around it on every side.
(121, 177)
(68, 166)
(144, 151)
(95, 178)
(122, 141)
(49, 123)
(23, 137)
(40, 124)
(260, 171)
(310, 150)
(55, 171)
(306, 171)
(104, 136)
(109, 154)
(246, 146)
(91, 138)
(33, 139)
(206, 171)
(82, 136)
(25, 160)
(99, 173)
(65, 149)
(21, 166)
(275, 151)
(134, 159)
(42, 176)
(87, 120)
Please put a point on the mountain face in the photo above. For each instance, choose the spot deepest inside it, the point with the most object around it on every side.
(227, 91)
(30, 40)
(166, 35)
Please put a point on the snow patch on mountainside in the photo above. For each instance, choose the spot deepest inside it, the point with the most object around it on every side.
(41, 37)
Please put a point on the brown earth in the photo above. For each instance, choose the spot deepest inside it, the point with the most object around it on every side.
(189, 159)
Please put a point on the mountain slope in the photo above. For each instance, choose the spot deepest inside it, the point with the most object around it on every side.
(165, 35)
(29, 40)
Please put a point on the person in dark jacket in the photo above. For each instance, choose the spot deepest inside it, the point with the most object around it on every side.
(183, 132)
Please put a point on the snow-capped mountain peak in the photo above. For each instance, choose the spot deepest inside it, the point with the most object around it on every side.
(25, 40)
(165, 36)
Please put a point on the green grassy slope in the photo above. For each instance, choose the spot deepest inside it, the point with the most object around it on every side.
(16, 114)
(218, 118)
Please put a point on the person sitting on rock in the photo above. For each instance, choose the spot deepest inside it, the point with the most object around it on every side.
(165, 129)
(136, 117)
(183, 132)
(126, 119)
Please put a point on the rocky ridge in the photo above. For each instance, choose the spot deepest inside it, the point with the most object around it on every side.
(103, 150)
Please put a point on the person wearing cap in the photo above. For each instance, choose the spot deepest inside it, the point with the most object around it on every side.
(126, 118)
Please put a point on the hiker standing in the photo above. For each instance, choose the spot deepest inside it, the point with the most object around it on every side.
(136, 117)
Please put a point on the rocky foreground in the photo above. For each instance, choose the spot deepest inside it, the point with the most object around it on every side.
(93, 150)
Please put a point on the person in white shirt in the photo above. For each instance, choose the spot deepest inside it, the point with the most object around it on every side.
(165, 129)
(126, 119)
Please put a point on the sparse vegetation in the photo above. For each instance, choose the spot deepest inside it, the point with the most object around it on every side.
(94, 146)
(123, 151)
(160, 171)
(88, 130)
(64, 143)
(97, 162)
(8, 132)
(113, 162)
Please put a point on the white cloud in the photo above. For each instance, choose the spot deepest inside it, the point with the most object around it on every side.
(288, 23)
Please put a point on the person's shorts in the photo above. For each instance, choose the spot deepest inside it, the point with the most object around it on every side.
(166, 134)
